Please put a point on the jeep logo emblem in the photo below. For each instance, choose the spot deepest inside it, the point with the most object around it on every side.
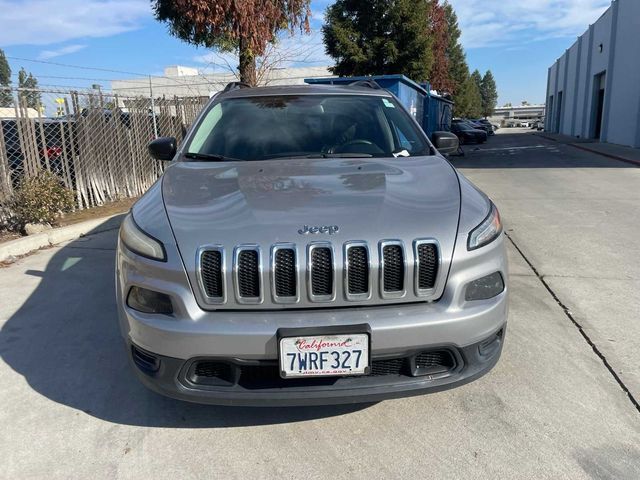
(330, 229)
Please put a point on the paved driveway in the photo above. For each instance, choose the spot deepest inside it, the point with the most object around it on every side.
(553, 407)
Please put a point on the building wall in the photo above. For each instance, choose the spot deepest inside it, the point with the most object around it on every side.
(609, 46)
(625, 90)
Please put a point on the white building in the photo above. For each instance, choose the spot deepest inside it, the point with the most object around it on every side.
(516, 115)
(593, 90)
(187, 82)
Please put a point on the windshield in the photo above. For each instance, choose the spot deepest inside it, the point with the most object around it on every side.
(294, 126)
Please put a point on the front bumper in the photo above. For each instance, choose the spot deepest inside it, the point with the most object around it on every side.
(256, 383)
(249, 337)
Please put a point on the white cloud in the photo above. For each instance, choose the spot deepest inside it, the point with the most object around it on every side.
(486, 23)
(47, 54)
(44, 22)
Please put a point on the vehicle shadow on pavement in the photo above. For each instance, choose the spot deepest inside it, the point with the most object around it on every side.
(65, 341)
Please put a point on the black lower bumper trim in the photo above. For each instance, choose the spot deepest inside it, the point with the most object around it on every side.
(236, 382)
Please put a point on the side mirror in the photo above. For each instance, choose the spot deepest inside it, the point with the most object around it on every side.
(163, 148)
(445, 142)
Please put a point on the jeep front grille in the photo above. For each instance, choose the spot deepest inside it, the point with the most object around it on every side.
(321, 273)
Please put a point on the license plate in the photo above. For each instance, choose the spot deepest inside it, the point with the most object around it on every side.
(324, 355)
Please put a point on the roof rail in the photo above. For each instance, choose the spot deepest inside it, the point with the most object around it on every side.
(235, 86)
(366, 83)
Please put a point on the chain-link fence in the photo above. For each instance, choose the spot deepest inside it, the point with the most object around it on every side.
(95, 142)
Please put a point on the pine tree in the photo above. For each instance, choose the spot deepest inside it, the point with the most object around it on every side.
(468, 101)
(457, 60)
(6, 99)
(378, 37)
(477, 79)
(489, 93)
(30, 97)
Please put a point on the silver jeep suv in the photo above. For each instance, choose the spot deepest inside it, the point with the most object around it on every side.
(309, 245)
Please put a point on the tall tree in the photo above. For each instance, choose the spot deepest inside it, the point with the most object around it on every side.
(245, 26)
(378, 37)
(468, 101)
(489, 93)
(440, 75)
(456, 58)
(31, 95)
(476, 76)
(5, 81)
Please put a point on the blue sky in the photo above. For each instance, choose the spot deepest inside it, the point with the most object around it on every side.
(516, 39)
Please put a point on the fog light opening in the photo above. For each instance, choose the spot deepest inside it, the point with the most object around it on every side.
(490, 345)
(148, 301)
(485, 287)
(146, 362)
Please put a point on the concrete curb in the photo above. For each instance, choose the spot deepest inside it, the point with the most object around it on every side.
(581, 146)
(25, 245)
(608, 155)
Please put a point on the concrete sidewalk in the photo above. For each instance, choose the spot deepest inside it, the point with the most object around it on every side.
(616, 152)
(11, 250)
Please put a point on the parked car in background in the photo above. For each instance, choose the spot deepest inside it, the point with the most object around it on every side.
(486, 124)
(538, 125)
(310, 245)
(466, 133)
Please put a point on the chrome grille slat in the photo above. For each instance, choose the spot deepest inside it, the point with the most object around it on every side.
(284, 272)
(211, 273)
(357, 271)
(427, 265)
(393, 268)
(320, 272)
(247, 272)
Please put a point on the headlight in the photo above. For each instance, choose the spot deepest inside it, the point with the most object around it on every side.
(487, 231)
(140, 242)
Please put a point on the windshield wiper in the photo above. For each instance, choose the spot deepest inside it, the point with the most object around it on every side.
(210, 157)
(348, 155)
(322, 155)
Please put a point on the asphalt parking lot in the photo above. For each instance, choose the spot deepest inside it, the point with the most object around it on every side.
(561, 403)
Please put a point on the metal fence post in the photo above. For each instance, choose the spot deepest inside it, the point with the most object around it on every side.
(153, 109)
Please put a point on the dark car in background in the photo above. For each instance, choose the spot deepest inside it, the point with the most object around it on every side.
(467, 134)
(486, 125)
(479, 126)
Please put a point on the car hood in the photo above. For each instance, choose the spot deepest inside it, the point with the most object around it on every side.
(271, 201)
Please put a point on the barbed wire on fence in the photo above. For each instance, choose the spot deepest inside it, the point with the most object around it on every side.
(94, 141)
